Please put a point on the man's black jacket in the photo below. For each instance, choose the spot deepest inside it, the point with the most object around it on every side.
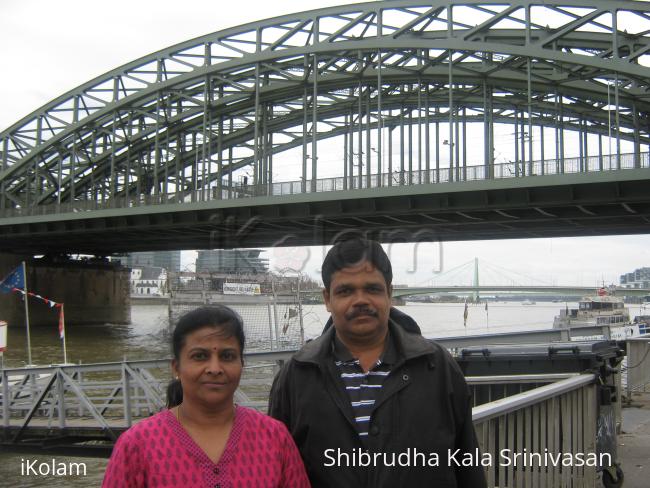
(424, 410)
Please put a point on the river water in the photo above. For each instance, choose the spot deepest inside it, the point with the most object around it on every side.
(148, 335)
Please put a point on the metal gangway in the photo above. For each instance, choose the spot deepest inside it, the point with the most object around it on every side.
(63, 405)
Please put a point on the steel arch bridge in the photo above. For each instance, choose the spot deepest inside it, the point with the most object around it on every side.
(542, 105)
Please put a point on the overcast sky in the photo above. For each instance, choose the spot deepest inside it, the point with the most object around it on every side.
(49, 47)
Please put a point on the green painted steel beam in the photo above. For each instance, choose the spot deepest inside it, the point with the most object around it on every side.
(166, 126)
(479, 210)
(397, 40)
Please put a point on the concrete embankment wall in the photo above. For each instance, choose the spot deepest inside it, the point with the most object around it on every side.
(93, 293)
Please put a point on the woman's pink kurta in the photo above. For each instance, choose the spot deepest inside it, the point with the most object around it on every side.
(158, 452)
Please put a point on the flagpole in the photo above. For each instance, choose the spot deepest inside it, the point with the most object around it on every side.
(3, 343)
(62, 319)
(29, 340)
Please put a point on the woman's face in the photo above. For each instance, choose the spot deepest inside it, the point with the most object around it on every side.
(209, 367)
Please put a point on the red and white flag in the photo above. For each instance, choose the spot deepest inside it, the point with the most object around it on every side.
(61, 322)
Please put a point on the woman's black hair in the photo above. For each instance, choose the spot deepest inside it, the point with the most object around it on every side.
(218, 316)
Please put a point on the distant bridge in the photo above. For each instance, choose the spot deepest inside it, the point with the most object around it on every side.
(576, 291)
(488, 289)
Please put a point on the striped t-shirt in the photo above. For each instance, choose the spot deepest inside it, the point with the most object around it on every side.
(363, 389)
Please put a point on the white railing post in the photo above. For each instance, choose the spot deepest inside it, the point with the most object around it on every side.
(126, 395)
(60, 400)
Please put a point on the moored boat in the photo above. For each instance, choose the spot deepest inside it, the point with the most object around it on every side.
(600, 310)
(643, 323)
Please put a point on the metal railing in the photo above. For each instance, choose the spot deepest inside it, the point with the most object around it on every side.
(520, 169)
(487, 389)
(95, 394)
(523, 435)
(108, 396)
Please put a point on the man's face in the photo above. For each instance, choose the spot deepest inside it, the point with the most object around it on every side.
(359, 301)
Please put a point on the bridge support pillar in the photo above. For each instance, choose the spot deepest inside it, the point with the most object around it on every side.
(94, 292)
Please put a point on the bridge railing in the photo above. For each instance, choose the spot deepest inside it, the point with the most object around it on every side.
(521, 169)
(447, 175)
(537, 438)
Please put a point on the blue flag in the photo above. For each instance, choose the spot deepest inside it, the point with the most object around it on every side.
(15, 279)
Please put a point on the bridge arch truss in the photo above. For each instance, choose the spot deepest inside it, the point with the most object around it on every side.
(380, 93)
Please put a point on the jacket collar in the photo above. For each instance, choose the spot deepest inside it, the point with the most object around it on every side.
(408, 345)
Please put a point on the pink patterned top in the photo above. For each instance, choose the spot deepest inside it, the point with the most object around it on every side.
(158, 452)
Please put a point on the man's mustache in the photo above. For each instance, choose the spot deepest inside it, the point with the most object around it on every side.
(361, 312)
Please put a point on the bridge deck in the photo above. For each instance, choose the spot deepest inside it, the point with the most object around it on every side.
(567, 204)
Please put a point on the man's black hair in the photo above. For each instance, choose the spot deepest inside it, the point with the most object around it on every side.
(352, 252)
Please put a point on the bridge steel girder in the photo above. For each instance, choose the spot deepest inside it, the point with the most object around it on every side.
(195, 117)
(142, 143)
(285, 123)
(456, 211)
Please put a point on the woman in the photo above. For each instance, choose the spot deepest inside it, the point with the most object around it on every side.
(203, 438)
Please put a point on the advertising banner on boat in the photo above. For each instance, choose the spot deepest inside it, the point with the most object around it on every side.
(242, 289)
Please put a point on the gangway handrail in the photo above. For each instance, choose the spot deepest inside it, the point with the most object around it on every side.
(512, 403)
(518, 378)
(275, 355)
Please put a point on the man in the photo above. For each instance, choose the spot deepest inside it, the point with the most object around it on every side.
(369, 403)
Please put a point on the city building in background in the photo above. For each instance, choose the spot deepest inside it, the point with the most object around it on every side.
(232, 261)
(148, 281)
(170, 260)
(639, 278)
